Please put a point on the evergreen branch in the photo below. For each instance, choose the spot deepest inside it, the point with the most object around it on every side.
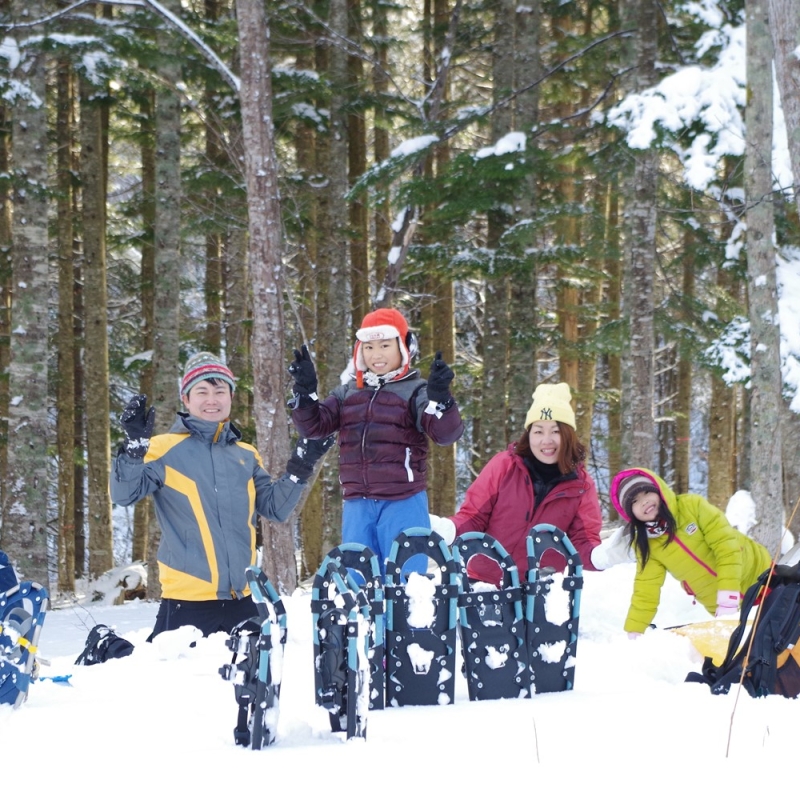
(461, 125)
(153, 5)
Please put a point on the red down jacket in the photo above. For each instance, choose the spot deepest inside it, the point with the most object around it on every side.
(383, 435)
(500, 502)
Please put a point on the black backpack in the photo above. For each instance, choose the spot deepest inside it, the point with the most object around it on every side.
(101, 644)
(773, 661)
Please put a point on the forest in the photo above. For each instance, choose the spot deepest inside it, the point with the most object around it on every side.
(600, 192)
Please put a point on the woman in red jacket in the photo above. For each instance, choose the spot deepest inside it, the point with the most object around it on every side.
(539, 479)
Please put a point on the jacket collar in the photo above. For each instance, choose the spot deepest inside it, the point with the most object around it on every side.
(207, 431)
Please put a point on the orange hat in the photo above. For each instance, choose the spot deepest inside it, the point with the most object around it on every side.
(385, 323)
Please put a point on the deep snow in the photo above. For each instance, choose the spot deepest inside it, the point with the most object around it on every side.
(162, 720)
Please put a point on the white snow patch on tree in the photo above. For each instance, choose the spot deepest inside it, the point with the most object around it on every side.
(513, 142)
(415, 145)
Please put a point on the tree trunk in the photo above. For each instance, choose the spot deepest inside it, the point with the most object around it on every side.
(357, 165)
(98, 445)
(147, 148)
(683, 405)
(523, 311)
(166, 287)
(765, 373)
(380, 136)
(65, 388)
(638, 392)
(266, 271)
(25, 511)
(784, 23)
(6, 272)
(496, 325)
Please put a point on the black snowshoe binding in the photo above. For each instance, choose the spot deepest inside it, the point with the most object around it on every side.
(421, 620)
(552, 609)
(22, 611)
(101, 645)
(257, 643)
(492, 622)
(340, 612)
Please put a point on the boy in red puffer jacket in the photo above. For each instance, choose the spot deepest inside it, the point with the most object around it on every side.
(384, 414)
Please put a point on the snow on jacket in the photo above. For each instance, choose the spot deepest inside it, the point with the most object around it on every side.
(207, 488)
(707, 554)
(383, 445)
(500, 502)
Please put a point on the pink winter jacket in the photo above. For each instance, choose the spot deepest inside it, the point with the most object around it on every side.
(500, 502)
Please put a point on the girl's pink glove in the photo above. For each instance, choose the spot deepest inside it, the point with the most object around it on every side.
(727, 602)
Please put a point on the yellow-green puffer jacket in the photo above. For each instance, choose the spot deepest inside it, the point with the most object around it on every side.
(707, 554)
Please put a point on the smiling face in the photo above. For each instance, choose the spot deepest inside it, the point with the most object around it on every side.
(646, 505)
(382, 356)
(545, 441)
(208, 401)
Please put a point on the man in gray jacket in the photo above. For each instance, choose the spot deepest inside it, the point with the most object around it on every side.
(208, 488)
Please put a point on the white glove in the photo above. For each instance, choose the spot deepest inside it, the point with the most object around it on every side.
(445, 527)
(633, 635)
(616, 549)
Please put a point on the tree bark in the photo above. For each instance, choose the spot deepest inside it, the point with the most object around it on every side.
(266, 271)
(25, 511)
(101, 546)
(784, 23)
(166, 288)
(6, 272)
(765, 373)
(65, 388)
(638, 392)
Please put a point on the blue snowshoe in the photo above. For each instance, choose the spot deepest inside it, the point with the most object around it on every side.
(552, 609)
(363, 564)
(492, 622)
(22, 611)
(258, 643)
(340, 612)
(421, 619)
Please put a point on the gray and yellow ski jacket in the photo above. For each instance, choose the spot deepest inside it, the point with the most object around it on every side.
(207, 488)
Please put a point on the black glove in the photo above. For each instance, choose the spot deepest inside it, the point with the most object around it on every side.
(137, 422)
(439, 382)
(305, 378)
(305, 455)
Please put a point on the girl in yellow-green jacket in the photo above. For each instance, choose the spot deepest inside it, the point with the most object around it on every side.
(687, 537)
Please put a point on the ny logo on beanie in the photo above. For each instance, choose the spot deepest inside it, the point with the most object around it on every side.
(547, 413)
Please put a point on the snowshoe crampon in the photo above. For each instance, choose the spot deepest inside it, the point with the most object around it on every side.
(22, 612)
(421, 618)
(552, 608)
(343, 631)
(492, 622)
(257, 665)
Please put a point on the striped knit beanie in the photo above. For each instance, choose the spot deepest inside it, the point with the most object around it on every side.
(201, 367)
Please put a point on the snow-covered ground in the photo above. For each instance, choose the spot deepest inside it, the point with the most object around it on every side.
(162, 720)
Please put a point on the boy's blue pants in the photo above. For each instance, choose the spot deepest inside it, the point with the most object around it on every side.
(376, 524)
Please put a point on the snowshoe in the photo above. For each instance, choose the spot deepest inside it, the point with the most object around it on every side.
(22, 611)
(492, 622)
(341, 616)
(363, 564)
(258, 645)
(421, 619)
(552, 609)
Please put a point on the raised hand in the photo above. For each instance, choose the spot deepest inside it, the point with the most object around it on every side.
(137, 421)
(439, 381)
(305, 376)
